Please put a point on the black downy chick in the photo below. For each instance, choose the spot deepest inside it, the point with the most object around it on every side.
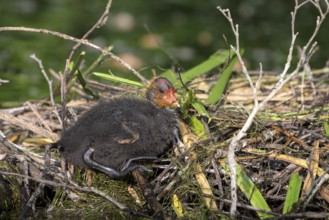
(111, 136)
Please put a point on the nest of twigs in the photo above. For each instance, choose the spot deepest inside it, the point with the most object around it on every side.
(287, 138)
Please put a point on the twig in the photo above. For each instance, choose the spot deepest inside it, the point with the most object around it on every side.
(50, 82)
(84, 42)
(25, 191)
(295, 139)
(101, 22)
(27, 125)
(50, 85)
(245, 206)
(218, 181)
(63, 97)
(149, 194)
(32, 200)
(172, 57)
(38, 116)
(316, 185)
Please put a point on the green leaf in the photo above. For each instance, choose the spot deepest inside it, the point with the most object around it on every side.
(197, 127)
(185, 101)
(326, 128)
(293, 192)
(189, 99)
(75, 66)
(217, 91)
(118, 79)
(199, 107)
(213, 61)
(83, 83)
(250, 190)
(96, 62)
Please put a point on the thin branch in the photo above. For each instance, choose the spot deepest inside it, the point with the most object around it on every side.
(172, 57)
(101, 22)
(63, 96)
(42, 69)
(50, 82)
(315, 187)
(35, 111)
(258, 82)
(27, 125)
(83, 42)
(236, 49)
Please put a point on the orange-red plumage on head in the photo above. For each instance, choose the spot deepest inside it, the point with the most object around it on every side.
(162, 93)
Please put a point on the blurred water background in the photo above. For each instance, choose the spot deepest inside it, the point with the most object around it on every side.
(189, 30)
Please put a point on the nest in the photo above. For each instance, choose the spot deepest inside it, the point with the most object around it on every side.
(282, 143)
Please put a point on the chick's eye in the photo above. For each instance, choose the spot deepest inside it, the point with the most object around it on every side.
(161, 89)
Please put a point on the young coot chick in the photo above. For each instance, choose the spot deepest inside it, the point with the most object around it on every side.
(112, 135)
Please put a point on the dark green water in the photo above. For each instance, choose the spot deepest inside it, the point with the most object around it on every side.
(189, 30)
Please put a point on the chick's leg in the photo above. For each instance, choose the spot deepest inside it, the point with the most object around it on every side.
(114, 173)
(130, 164)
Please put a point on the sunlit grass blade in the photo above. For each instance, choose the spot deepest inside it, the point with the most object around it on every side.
(38, 141)
(187, 100)
(96, 62)
(197, 127)
(177, 206)
(326, 128)
(83, 83)
(213, 61)
(293, 193)
(199, 107)
(250, 190)
(75, 66)
(118, 79)
(217, 91)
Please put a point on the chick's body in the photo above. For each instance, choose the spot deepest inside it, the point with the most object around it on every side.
(119, 130)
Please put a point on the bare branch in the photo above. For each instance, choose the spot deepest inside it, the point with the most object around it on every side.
(50, 82)
(101, 22)
(27, 125)
(83, 42)
(236, 49)
(257, 84)
(35, 111)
